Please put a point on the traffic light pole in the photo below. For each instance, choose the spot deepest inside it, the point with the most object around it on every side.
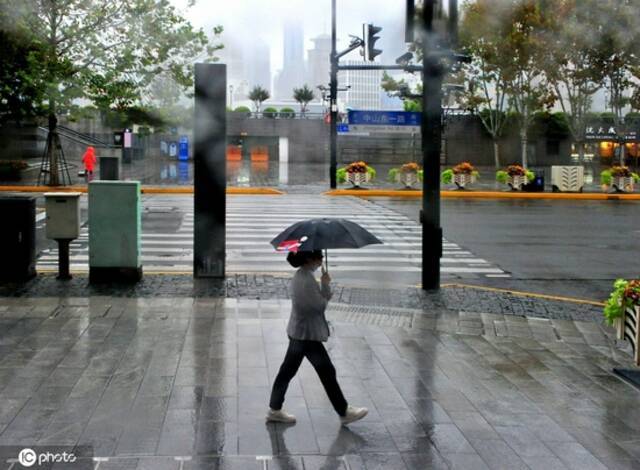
(432, 76)
(333, 101)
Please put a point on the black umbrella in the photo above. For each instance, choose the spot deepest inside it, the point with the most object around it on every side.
(321, 234)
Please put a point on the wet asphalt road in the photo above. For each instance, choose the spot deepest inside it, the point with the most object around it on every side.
(573, 248)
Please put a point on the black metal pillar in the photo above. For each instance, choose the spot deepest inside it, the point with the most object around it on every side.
(431, 135)
(333, 101)
(210, 179)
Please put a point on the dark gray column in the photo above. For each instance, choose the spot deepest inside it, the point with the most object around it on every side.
(210, 179)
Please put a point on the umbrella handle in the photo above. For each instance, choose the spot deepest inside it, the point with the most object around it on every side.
(326, 261)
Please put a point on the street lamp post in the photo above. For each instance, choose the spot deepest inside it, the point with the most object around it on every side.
(432, 75)
(333, 101)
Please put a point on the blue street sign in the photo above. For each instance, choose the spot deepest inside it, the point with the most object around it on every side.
(184, 148)
(385, 118)
(342, 127)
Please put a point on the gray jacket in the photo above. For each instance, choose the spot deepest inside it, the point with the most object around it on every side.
(308, 303)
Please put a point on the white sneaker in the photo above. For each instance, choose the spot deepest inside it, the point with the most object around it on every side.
(280, 416)
(353, 414)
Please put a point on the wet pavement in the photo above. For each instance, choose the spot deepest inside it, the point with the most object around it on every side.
(183, 383)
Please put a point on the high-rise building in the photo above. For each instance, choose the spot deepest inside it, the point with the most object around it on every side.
(318, 62)
(364, 90)
(258, 65)
(292, 74)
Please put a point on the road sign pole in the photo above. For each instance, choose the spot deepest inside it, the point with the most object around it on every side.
(333, 101)
(431, 135)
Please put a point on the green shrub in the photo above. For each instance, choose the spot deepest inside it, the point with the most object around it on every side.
(242, 109)
(287, 113)
(341, 175)
(606, 177)
(502, 176)
(447, 176)
(393, 174)
(270, 113)
(625, 294)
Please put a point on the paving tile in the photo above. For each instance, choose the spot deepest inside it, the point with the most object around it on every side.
(497, 454)
(465, 461)
(473, 425)
(448, 439)
(337, 462)
(523, 441)
(544, 463)
(575, 456)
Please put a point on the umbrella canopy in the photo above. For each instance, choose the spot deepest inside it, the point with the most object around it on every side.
(320, 234)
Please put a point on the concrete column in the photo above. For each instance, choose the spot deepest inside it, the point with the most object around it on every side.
(210, 171)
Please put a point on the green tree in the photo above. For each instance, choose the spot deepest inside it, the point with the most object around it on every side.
(571, 64)
(21, 93)
(486, 86)
(411, 99)
(258, 95)
(303, 96)
(526, 83)
(107, 51)
(617, 50)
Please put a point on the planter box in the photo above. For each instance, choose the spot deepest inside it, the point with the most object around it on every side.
(622, 184)
(632, 330)
(517, 182)
(461, 180)
(408, 179)
(356, 179)
(567, 178)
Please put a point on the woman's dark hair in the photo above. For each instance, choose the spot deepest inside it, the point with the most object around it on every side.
(301, 257)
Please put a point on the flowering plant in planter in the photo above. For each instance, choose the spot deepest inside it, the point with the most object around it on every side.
(461, 174)
(620, 177)
(515, 176)
(408, 174)
(356, 173)
(625, 294)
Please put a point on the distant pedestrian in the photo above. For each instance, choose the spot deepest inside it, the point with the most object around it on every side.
(89, 160)
(307, 329)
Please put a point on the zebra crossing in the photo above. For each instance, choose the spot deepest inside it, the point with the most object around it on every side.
(252, 221)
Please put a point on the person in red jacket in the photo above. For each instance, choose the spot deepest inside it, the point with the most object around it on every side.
(89, 160)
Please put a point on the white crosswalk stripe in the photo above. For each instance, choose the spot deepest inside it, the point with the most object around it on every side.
(253, 221)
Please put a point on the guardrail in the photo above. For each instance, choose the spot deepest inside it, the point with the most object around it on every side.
(79, 137)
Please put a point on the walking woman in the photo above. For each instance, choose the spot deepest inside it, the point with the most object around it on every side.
(307, 329)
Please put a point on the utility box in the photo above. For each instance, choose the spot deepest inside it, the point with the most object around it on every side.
(114, 231)
(63, 215)
(567, 178)
(18, 238)
(110, 168)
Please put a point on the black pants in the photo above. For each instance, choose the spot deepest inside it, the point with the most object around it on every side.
(316, 354)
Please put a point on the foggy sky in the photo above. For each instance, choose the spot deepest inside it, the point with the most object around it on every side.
(247, 19)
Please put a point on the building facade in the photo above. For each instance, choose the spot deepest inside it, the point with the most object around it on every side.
(364, 87)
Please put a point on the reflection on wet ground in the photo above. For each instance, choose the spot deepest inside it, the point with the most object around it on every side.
(183, 383)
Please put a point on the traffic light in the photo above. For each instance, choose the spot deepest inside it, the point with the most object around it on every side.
(370, 38)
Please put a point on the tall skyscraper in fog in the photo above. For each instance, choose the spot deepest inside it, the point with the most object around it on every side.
(258, 65)
(292, 74)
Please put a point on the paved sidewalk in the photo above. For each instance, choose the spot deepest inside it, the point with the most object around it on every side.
(182, 382)
(453, 297)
